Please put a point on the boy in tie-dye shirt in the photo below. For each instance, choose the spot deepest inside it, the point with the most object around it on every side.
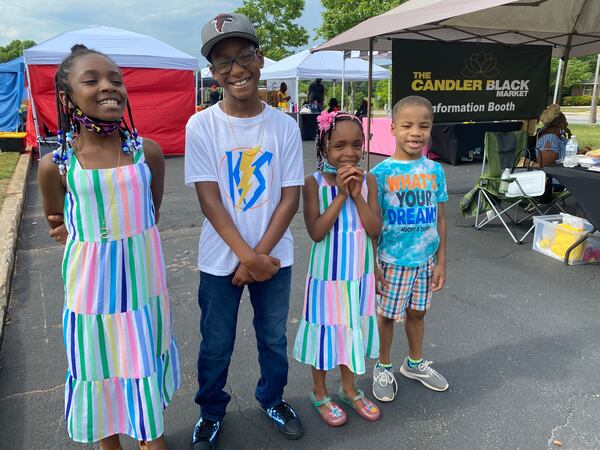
(412, 247)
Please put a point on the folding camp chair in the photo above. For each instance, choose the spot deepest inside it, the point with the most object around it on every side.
(501, 198)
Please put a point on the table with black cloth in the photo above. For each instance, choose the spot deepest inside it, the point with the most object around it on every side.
(453, 141)
(584, 185)
(307, 124)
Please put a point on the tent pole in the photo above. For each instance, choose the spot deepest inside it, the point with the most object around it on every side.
(343, 77)
(565, 68)
(201, 89)
(369, 95)
(556, 83)
(33, 111)
(592, 119)
(389, 102)
(297, 102)
(196, 90)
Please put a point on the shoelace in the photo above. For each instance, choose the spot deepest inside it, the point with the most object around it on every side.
(206, 429)
(384, 378)
(283, 412)
(424, 366)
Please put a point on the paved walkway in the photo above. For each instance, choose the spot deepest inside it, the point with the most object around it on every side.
(517, 335)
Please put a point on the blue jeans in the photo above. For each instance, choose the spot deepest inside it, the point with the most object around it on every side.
(219, 302)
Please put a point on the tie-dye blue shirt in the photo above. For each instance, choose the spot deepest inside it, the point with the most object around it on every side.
(409, 192)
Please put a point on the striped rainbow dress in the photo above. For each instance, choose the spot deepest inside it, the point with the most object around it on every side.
(339, 324)
(123, 363)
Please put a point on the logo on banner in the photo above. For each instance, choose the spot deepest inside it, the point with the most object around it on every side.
(248, 174)
(481, 64)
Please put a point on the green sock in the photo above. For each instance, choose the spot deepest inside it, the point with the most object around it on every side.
(385, 366)
(412, 363)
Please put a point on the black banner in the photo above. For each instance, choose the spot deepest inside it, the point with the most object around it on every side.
(473, 82)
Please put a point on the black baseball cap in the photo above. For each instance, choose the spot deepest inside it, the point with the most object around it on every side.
(223, 26)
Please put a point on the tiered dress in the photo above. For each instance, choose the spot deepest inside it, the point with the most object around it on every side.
(339, 324)
(123, 363)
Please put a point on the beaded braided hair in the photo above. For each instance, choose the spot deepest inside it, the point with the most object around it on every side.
(68, 128)
(327, 122)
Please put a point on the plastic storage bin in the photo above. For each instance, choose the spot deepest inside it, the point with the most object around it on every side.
(552, 237)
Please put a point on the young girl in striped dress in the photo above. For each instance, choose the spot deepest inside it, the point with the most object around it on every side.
(341, 212)
(123, 364)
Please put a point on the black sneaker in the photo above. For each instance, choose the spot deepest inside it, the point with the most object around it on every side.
(205, 435)
(285, 420)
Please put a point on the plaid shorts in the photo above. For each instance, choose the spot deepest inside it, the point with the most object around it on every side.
(405, 287)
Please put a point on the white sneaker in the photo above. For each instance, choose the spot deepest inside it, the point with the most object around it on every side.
(384, 384)
(425, 374)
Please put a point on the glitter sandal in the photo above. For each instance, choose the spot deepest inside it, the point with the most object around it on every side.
(334, 416)
(368, 411)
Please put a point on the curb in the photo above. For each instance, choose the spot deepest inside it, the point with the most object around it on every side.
(10, 218)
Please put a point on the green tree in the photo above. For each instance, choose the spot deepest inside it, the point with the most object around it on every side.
(275, 25)
(341, 15)
(578, 71)
(14, 49)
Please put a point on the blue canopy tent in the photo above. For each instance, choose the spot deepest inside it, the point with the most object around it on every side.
(12, 91)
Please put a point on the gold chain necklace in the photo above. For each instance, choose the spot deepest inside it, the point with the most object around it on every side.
(262, 126)
(103, 227)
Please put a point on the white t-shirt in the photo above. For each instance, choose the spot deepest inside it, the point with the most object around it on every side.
(251, 159)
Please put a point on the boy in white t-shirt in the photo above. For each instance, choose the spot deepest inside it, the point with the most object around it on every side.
(245, 160)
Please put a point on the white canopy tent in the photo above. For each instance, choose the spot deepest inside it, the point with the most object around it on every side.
(571, 27)
(126, 48)
(330, 65)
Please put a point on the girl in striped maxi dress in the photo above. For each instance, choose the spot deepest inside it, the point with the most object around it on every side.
(123, 364)
(342, 216)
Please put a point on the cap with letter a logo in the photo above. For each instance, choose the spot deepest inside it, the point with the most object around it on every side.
(224, 26)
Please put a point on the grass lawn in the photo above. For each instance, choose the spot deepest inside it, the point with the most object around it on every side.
(587, 135)
(8, 162)
(576, 109)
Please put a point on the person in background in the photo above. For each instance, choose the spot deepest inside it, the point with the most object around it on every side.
(362, 109)
(215, 95)
(333, 105)
(552, 137)
(282, 97)
(314, 107)
(23, 118)
(316, 92)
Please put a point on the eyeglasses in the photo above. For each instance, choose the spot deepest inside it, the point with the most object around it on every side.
(244, 59)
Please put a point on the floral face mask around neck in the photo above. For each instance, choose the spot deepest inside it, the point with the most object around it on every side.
(97, 126)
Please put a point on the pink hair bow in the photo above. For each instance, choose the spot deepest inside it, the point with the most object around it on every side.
(324, 120)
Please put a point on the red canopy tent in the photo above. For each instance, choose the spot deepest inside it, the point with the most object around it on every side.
(159, 80)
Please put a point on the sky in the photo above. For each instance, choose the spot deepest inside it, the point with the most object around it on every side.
(175, 22)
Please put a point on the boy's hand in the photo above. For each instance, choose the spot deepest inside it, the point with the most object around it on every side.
(242, 276)
(379, 280)
(438, 279)
(262, 267)
(59, 232)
